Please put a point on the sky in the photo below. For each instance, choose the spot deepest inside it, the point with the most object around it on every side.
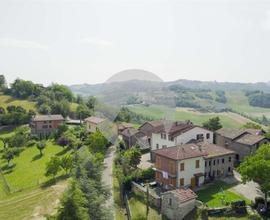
(87, 41)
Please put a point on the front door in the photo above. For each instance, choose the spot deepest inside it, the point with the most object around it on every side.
(193, 182)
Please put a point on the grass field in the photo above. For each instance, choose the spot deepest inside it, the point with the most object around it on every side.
(29, 170)
(6, 100)
(230, 120)
(213, 193)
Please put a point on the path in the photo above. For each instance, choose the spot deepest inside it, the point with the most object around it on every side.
(108, 175)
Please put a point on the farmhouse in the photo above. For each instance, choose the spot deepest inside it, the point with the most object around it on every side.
(243, 141)
(93, 123)
(178, 133)
(132, 137)
(44, 125)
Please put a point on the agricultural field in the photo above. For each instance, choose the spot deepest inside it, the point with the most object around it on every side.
(228, 119)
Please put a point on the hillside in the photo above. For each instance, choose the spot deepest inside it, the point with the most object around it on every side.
(6, 100)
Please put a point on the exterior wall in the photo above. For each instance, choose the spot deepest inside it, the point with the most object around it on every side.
(44, 127)
(166, 165)
(189, 171)
(91, 126)
(147, 129)
(181, 139)
(222, 141)
(218, 168)
(175, 210)
(132, 141)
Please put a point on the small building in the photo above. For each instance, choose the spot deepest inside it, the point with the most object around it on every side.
(219, 161)
(177, 204)
(44, 125)
(180, 166)
(132, 137)
(243, 141)
(121, 126)
(93, 123)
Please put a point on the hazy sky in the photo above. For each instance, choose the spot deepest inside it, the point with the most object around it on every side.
(73, 41)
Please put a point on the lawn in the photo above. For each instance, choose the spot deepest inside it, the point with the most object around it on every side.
(138, 210)
(29, 170)
(213, 193)
(6, 100)
(229, 120)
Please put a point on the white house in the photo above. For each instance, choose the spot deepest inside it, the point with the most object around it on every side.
(179, 133)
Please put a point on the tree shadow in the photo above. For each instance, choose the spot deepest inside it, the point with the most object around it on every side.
(64, 151)
(8, 168)
(37, 157)
(53, 181)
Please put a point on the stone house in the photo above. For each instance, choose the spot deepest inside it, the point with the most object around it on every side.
(132, 137)
(121, 126)
(177, 204)
(44, 125)
(243, 141)
(219, 161)
(180, 166)
(93, 123)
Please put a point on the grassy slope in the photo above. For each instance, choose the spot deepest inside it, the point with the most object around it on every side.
(228, 119)
(6, 100)
(29, 170)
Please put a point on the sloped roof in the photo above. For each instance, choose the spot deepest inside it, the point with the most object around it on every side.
(129, 132)
(181, 152)
(95, 120)
(250, 139)
(214, 150)
(231, 133)
(184, 195)
(48, 118)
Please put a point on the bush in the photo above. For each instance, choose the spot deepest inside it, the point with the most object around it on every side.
(258, 200)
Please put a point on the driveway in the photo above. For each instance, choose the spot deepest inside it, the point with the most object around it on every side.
(250, 190)
(145, 161)
(108, 175)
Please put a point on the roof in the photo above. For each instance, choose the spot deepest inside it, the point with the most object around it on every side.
(128, 132)
(255, 131)
(181, 152)
(95, 120)
(250, 139)
(48, 118)
(231, 133)
(214, 150)
(124, 125)
(184, 195)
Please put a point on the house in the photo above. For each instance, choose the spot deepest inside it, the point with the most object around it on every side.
(132, 137)
(93, 123)
(243, 141)
(178, 133)
(177, 204)
(121, 126)
(44, 125)
(219, 161)
(180, 166)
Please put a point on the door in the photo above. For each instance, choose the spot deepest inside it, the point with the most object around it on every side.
(193, 182)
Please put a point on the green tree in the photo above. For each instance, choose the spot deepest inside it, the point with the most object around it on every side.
(73, 204)
(91, 102)
(256, 168)
(252, 125)
(66, 163)
(213, 124)
(41, 146)
(10, 153)
(82, 112)
(3, 82)
(53, 167)
(134, 156)
(96, 142)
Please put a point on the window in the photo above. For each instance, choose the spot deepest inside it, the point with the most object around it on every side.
(223, 160)
(207, 135)
(229, 169)
(171, 138)
(182, 167)
(214, 162)
(197, 163)
(217, 161)
(45, 126)
(157, 146)
(163, 136)
(205, 163)
(164, 146)
(182, 181)
(170, 202)
(230, 159)
(199, 136)
(209, 162)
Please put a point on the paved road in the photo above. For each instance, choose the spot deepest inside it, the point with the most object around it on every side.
(107, 176)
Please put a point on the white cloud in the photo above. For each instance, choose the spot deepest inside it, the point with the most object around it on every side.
(96, 42)
(8, 42)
